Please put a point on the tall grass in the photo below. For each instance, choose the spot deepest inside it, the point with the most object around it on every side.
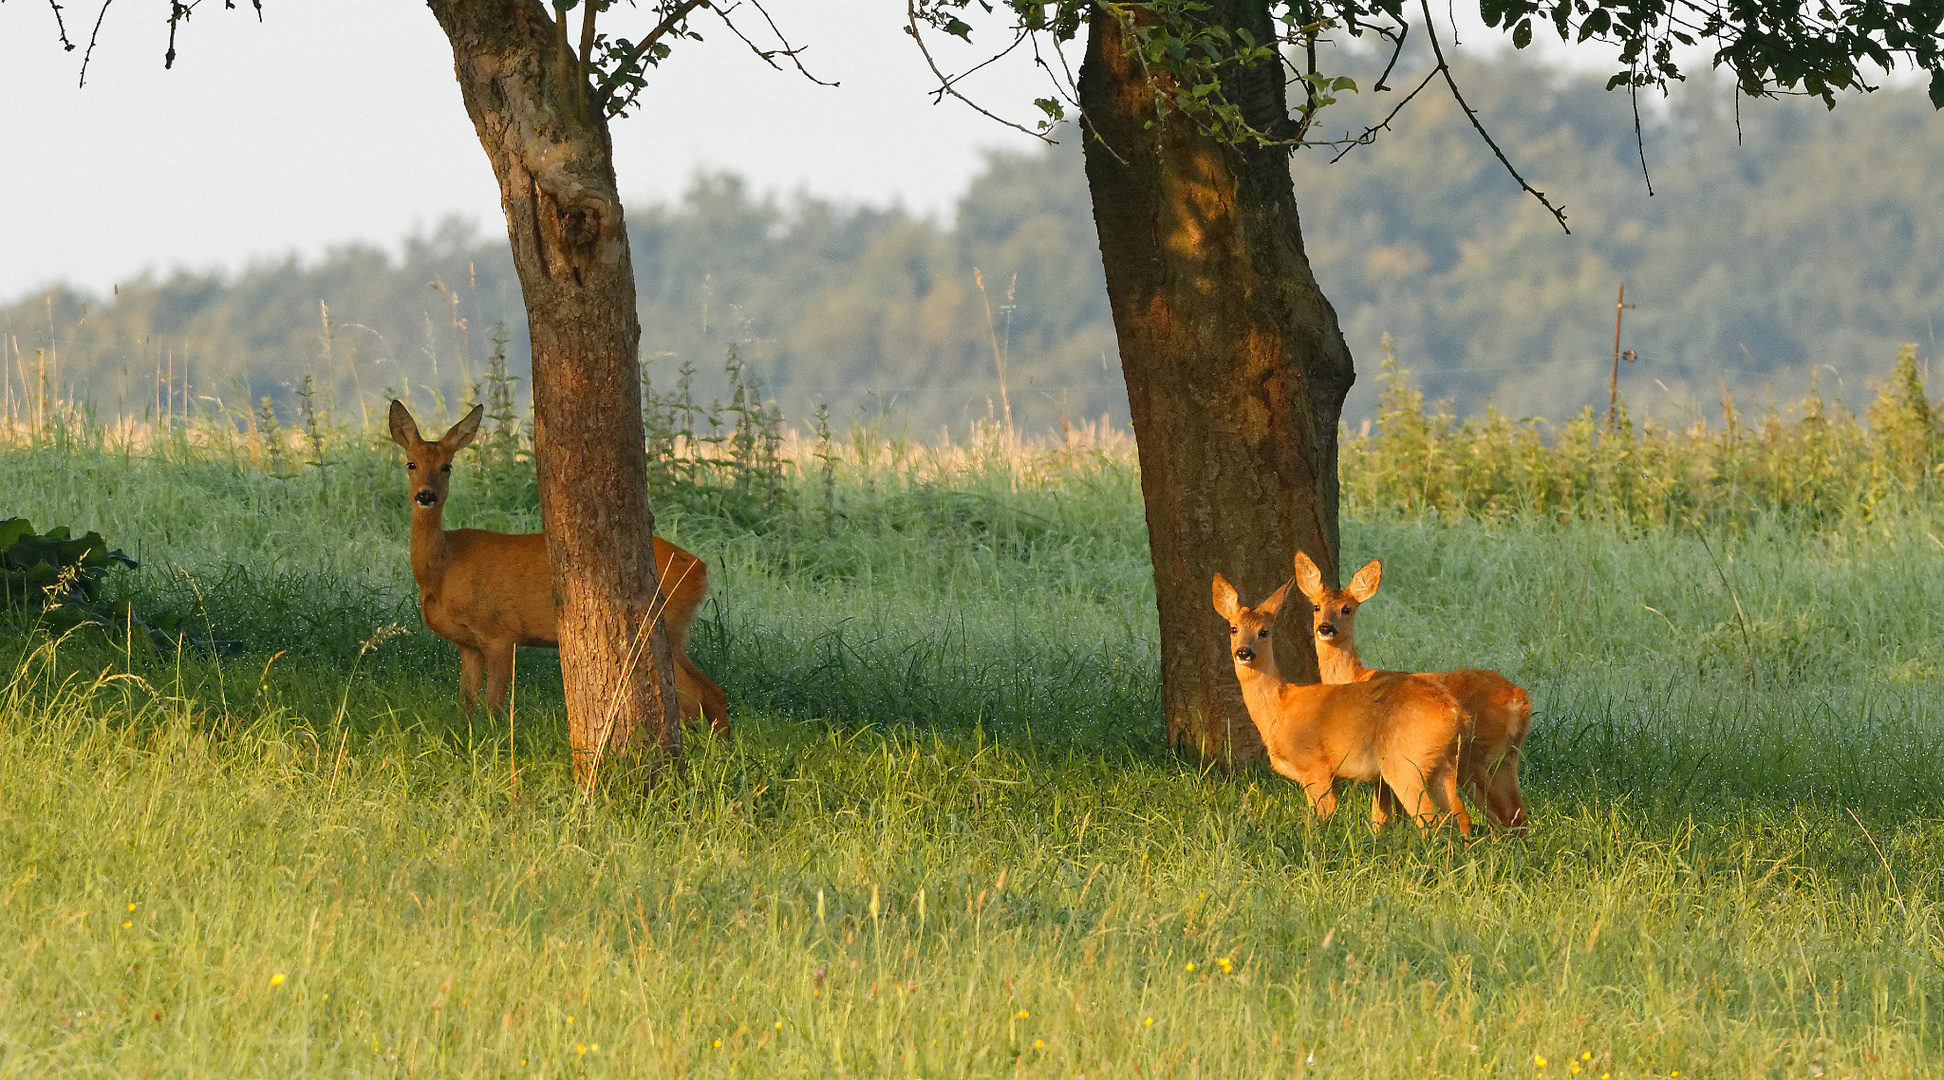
(943, 840)
(1810, 464)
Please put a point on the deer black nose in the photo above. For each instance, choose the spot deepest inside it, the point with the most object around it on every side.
(425, 497)
(1245, 654)
(1326, 630)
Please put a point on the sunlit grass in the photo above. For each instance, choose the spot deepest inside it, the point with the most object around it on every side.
(943, 841)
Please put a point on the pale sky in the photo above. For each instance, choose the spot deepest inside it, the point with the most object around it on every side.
(339, 120)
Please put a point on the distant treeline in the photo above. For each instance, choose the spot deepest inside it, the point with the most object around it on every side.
(1781, 239)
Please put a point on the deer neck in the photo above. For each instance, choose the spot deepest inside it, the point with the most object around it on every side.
(1262, 686)
(1339, 664)
(431, 554)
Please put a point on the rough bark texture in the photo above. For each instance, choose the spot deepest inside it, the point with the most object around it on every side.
(556, 174)
(1236, 368)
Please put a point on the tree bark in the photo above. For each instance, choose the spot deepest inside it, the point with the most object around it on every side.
(1236, 368)
(551, 153)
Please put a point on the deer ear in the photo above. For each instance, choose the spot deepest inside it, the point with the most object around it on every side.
(1364, 585)
(1309, 580)
(1226, 601)
(1274, 603)
(404, 429)
(461, 433)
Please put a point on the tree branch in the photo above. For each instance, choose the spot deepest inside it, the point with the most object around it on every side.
(1471, 114)
(588, 10)
(1402, 33)
(60, 27)
(86, 56)
(669, 22)
(1370, 133)
(945, 83)
(768, 56)
(1633, 91)
(178, 12)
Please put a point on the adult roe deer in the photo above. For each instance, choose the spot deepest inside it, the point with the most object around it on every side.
(490, 592)
(1399, 730)
(1498, 713)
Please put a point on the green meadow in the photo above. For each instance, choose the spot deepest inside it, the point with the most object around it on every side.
(944, 839)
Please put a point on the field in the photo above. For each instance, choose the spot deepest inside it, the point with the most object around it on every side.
(944, 840)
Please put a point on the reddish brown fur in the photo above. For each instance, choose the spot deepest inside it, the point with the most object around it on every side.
(489, 592)
(1400, 730)
(1498, 713)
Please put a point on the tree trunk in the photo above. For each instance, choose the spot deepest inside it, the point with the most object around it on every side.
(1236, 369)
(552, 156)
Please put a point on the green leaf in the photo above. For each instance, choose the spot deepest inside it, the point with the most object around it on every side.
(1596, 23)
(1937, 89)
(959, 28)
(1522, 33)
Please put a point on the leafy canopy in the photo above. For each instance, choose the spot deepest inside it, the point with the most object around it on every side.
(1773, 47)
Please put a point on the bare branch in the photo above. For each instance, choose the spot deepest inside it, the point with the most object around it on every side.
(1019, 38)
(1633, 91)
(945, 82)
(1403, 32)
(60, 27)
(92, 38)
(1471, 114)
(178, 12)
(1370, 133)
(788, 51)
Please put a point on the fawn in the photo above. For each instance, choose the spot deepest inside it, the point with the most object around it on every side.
(489, 592)
(1498, 713)
(1400, 730)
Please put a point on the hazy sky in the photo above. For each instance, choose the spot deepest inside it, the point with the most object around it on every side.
(339, 120)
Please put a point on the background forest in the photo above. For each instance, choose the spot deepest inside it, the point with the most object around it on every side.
(1780, 243)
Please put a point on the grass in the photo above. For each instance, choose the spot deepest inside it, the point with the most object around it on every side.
(942, 842)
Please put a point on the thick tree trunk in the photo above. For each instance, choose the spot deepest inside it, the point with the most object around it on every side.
(1236, 369)
(555, 166)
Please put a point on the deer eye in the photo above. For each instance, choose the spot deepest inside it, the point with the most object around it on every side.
(1262, 633)
(1232, 630)
(445, 468)
(1346, 610)
(412, 465)
(1316, 607)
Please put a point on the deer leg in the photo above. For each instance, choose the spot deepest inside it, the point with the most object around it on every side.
(1413, 797)
(1322, 794)
(499, 674)
(1447, 793)
(714, 703)
(472, 666)
(1505, 803)
(1383, 805)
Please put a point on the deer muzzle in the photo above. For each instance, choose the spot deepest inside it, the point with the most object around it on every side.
(425, 497)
